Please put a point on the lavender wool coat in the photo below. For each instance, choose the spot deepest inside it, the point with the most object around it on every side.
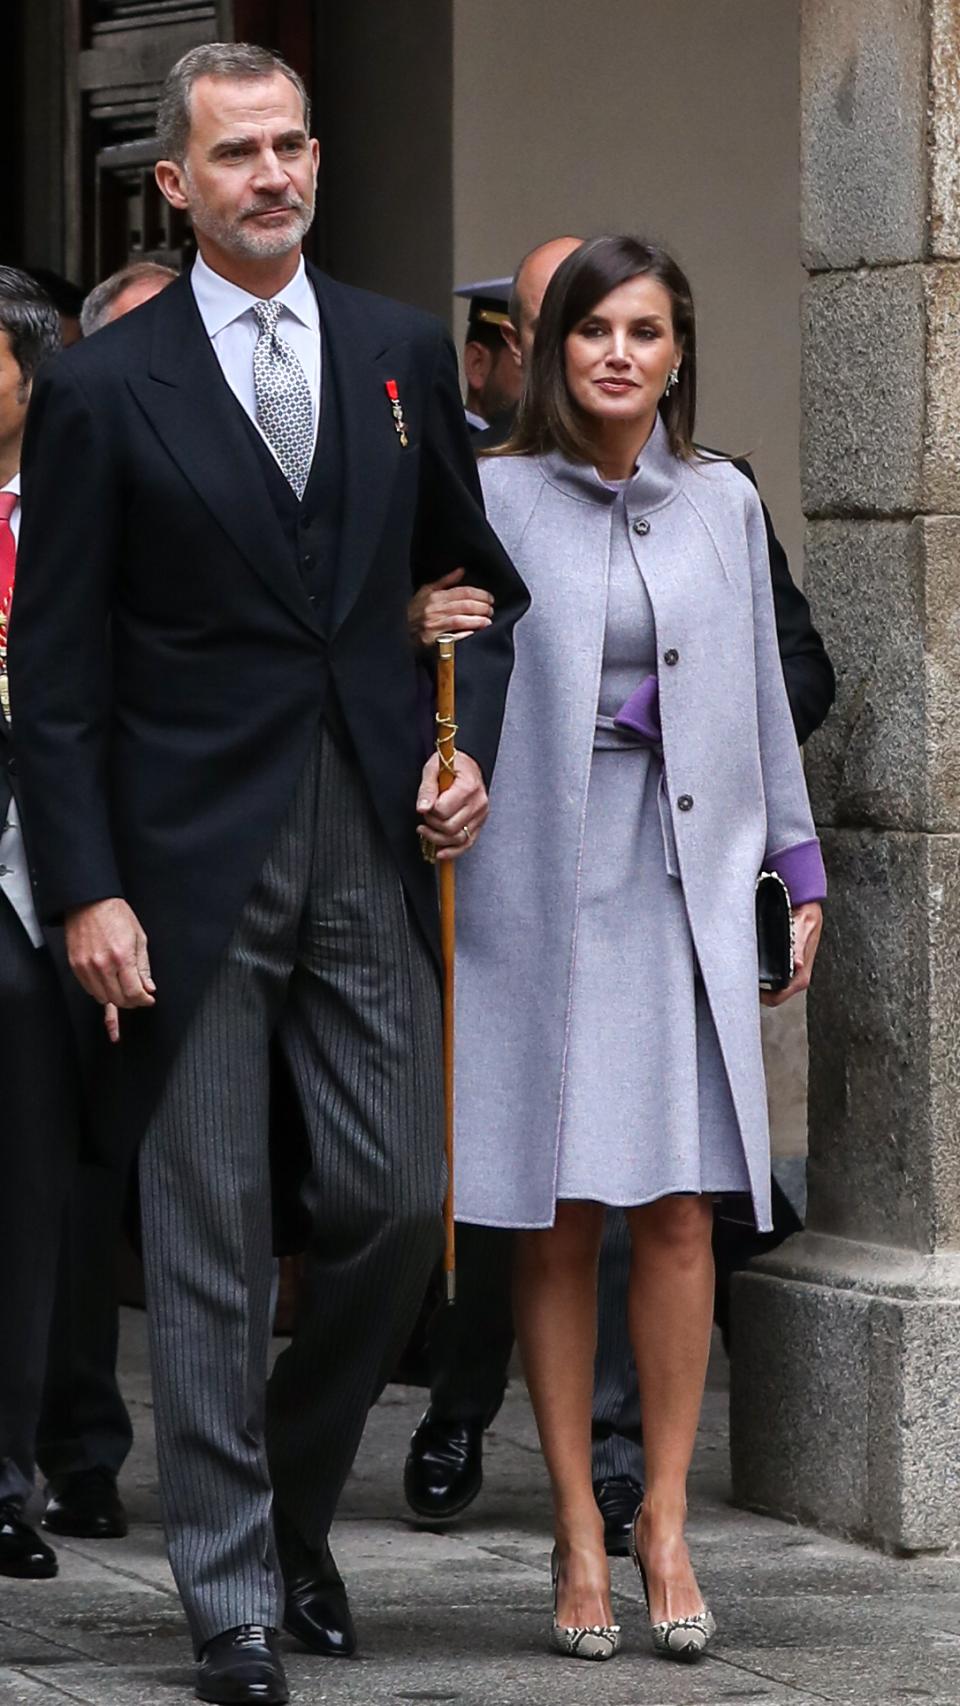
(734, 784)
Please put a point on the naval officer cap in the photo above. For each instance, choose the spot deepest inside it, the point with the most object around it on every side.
(488, 303)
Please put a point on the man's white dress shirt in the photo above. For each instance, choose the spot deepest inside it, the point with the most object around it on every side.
(14, 875)
(227, 314)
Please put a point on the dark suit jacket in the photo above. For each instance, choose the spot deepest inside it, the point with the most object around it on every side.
(158, 767)
(7, 766)
(807, 670)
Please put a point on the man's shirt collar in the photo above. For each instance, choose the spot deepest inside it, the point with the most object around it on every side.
(220, 302)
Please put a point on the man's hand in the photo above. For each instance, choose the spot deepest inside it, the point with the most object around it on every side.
(107, 950)
(446, 607)
(452, 820)
(808, 925)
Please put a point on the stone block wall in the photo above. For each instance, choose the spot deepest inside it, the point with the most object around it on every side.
(846, 1372)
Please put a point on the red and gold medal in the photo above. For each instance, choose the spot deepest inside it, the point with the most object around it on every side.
(396, 409)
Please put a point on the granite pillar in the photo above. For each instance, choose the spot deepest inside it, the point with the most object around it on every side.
(846, 1342)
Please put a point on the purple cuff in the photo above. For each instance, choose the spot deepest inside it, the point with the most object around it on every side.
(801, 868)
(641, 712)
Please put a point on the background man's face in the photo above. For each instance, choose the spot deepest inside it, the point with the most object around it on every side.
(14, 395)
(494, 379)
(250, 173)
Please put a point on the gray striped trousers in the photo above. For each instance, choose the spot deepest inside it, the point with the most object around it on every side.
(324, 957)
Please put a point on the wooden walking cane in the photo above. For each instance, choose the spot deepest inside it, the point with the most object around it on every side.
(446, 876)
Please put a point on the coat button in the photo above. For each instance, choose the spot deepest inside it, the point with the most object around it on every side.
(685, 803)
(642, 527)
(671, 656)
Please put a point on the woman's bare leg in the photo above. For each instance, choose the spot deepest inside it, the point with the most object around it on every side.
(555, 1314)
(670, 1314)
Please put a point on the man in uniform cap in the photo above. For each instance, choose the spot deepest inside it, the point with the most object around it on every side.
(494, 380)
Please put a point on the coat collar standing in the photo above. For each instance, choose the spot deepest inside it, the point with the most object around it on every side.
(655, 482)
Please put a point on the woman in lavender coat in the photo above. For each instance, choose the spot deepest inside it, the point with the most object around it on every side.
(608, 1014)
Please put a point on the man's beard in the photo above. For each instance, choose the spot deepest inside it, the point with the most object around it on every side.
(239, 235)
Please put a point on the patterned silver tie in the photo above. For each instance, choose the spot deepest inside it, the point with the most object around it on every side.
(284, 404)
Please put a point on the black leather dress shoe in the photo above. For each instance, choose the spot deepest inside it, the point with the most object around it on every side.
(87, 1505)
(618, 1499)
(22, 1552)
(241, 1668)
(444, 1468)
(317, 1611)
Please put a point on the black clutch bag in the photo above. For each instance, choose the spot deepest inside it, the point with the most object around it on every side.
(775, 933)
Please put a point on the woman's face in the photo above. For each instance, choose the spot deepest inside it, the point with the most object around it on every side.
(619, 358)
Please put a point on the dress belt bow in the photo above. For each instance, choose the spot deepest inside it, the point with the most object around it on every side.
(637, 724)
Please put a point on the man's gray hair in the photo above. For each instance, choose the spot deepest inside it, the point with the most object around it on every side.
(95, 312)
(237, 59)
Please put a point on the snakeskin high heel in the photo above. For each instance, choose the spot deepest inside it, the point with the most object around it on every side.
(594, 1641)
(683, 1638)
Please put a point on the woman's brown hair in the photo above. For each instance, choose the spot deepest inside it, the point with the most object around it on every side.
(548, 418)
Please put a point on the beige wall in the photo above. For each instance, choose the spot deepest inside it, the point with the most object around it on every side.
(383, 113)
(678, 119)
(675, 118)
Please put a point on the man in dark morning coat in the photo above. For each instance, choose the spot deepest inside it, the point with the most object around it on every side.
(227, 808)
(469, 1346)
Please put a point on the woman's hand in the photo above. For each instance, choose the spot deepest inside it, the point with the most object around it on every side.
(808, 924)
(446, 607)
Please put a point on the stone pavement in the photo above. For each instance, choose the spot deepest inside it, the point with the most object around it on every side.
(462, 1616)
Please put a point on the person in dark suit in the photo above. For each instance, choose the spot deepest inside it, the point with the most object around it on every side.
(39, 1126)
(469, 1346)
(84, 1433)
(228, 811)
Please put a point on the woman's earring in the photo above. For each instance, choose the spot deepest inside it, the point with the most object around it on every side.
(672, 380)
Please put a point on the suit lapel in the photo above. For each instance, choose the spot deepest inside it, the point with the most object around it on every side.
(192, 409)
(362, 362)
